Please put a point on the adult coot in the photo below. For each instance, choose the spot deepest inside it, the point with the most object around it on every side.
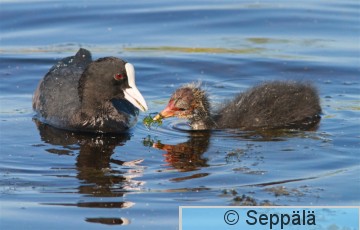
(270, 105)
(94, 96)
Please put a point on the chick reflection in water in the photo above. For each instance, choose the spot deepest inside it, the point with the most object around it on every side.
(93, 164)
(186, 156)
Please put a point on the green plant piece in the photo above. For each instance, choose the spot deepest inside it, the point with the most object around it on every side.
(149, 121)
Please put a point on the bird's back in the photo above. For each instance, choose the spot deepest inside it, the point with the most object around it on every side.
(56, 99)
(272, 105)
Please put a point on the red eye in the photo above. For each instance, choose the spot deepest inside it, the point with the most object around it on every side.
(118, 76)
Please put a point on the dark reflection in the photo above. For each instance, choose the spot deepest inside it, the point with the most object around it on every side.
(185, 156)
(188, 156)
(94, 167)
(109, 221)
(268, 135)
(100, 204)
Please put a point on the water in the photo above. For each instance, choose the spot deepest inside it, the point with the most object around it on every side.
(56, 179)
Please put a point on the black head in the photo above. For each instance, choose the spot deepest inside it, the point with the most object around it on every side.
(109, 78)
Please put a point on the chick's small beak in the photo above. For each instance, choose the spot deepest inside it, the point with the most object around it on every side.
(158, 117)
(169, 111)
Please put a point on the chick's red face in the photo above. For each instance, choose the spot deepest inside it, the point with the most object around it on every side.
(180, 104)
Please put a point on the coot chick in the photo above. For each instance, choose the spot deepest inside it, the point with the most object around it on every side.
(93, 96)
(270, 105)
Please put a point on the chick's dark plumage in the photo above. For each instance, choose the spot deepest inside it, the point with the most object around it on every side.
(270, 105)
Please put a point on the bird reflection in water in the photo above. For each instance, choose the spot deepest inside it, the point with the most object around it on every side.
(93, 165)
(186, 156)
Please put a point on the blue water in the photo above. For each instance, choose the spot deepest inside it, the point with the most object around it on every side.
(52, 179)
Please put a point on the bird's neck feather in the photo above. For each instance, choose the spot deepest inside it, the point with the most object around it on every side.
(201, 119)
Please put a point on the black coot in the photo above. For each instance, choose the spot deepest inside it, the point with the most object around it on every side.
(93, 96)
